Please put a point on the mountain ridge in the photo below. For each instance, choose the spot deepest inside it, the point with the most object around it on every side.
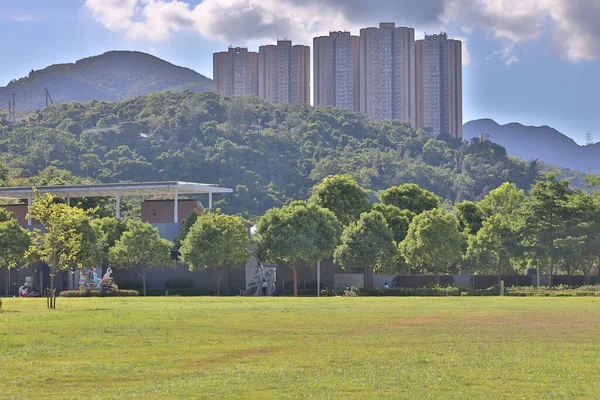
(112, 76)
(542, 143)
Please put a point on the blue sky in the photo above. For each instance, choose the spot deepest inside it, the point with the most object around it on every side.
(530, 61)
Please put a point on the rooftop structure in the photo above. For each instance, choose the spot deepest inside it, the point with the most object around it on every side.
(117, 190)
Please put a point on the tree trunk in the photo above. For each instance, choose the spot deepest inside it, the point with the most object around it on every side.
(499, 271)
(7, 286)
(295, 279)
(219, 271)
(551, 271)
(144, 281)
(437, 276)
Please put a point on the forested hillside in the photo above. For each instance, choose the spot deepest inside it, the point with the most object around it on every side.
(112, 76)
(269, 153)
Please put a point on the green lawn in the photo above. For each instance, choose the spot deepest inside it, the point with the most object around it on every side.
(162, 348)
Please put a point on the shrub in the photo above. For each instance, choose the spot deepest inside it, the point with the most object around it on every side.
(99, 293)
(330, 292)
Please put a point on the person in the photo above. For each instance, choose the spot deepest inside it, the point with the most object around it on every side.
(386, 286)
(265, 286)
(23, 290)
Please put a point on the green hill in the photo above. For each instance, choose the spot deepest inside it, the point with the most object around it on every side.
(113, 76)
(268, 153)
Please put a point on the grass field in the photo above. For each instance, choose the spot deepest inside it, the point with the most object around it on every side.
(162, 348)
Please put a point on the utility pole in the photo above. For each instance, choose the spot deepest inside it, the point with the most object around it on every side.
(48, 97)
(589, 139)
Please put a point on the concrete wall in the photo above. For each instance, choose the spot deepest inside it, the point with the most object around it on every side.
(380, 280)
(19, 211)
(232, 281)
(161, 211)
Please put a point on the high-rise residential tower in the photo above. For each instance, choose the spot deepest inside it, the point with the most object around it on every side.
(284, 73)
(235, 72)
(387, 72)
(439, 85)
(336, 63)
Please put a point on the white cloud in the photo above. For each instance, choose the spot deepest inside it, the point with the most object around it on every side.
(506, 54)
(466, 56)
(573, 23)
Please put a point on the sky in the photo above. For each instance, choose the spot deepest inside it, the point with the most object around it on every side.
(535, 62)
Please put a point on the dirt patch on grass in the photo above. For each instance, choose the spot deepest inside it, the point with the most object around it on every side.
(394, 324)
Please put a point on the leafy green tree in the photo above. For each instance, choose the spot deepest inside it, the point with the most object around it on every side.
(108, 231)
(140, 248)
(503, 200)
(470, 217)
(14, 242)
(436, 152)
(494, 246)
(369, 243)
(545, 212)
(299, 231)
(216, 240)
(411, 197)
(68, 241)
(398, 220)
(342, 195)
(432, 242)
(186, 225)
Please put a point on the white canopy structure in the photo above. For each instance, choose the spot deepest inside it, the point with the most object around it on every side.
(174, 188)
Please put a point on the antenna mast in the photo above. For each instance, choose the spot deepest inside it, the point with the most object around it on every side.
(48, 97)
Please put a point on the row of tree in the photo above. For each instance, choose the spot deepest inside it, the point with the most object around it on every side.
(407, 231)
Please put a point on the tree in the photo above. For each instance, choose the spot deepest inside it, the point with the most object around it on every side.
(68, 241)
(342, 195)
(186, 225)
(369, 243)
(140, 248)
(14, 242)
(545, 212)
(108, 231)
(216, 240)
(410, 197)
(470, 217)
(299, 231)
(398, 220)
(503, 200)
(432, 241)
(495, 244)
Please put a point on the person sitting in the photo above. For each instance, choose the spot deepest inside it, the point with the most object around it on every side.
(386, 286)
(23, 290)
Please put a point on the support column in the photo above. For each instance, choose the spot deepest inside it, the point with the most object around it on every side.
(29, 210)
(118, 206)
(176, 206)
(69, 201)
(318, 278)
(210, 201)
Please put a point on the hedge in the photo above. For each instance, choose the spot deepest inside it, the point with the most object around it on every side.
(99, 293)
(394, 291)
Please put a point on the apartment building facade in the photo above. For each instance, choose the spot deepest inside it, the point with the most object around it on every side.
(387, 72)
(439, 85)
(336, 70)
(235, 72)
(284, 73)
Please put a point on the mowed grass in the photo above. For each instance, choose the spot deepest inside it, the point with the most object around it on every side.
(170, 347)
